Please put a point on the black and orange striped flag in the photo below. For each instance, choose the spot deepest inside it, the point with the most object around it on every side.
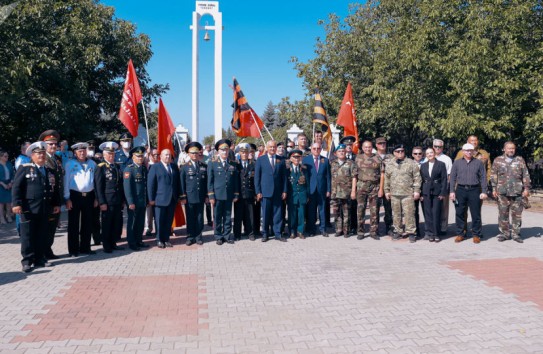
(245, 121)
(319, 116)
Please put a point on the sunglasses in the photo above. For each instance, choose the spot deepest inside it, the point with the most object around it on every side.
(296, 156)
(399, 151)
(52, 144)
(417, 153)
(438, 146)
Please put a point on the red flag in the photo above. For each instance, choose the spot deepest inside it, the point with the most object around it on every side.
(128, 114)
(347, 117)
(166, 131)
(245, 121)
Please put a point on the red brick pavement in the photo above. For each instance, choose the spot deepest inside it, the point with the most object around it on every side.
(124, 306)
(522, 277)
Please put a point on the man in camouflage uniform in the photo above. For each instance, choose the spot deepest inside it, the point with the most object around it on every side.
(368, 187)
(511, 183)
(381, 146)
(402, 188)
(344, 174)
(349, 141)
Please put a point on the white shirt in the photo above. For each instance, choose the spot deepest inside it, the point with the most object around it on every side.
(430, 167)
(79, 177)
(447, 161)
(273, 160)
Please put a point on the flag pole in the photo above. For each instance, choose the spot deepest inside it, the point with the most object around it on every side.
(257, 127)
(146, 124)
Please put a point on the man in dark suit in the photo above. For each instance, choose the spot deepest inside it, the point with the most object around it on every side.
(223, 190)
(108, 185)
(54, 163)
(434, 189)
(163, 189)
(35, 197)
(318, 168)
(244, 207)
(194, 192)
(271, 189)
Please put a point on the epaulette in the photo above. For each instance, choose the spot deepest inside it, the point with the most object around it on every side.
(102, 164)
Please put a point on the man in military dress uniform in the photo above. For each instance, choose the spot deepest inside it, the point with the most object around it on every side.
(297, 193)
(244, 207)
(402, 188)
(135, 192)
(348, 141)
(369, 186)
(54, 163)
(344, 176)
(258, 205)
(511, 183)
(223, 190)
(122, 155)
(381, 146)
(108, 185)
(35, 197)
(80, 200)
(194, 192)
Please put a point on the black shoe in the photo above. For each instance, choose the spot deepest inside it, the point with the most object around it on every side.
(200, 242)
(52, 256)
(73, 254)
(160, 244)
(501, 238)
(189, 242)
(360, 237)
(337, 234)
(324, 233)
(168, 244)
(412, 238)
(143, 245)
(252, 238)
(27, 268)
(346, 235)
(518, 239)
(88, 252)
(107, 251)
(374, 236)
(231, 242)
(396, 236)
(43, 264)
(148, 233)
(220, 242)
(117, 248)
(133, 248)
(437, 239)
(281, 239)
(264, 239)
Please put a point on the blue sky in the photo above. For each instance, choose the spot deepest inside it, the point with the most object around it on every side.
(259, 38)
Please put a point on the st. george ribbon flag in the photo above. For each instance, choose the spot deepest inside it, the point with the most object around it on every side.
(319, 116)
(245, 122)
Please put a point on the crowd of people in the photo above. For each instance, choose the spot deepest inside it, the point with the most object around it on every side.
(277, 190)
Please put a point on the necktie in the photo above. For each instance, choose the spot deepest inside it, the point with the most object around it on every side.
(169, 170)
(273, 162)
(245, 165)
(42, 170)
(317, 164)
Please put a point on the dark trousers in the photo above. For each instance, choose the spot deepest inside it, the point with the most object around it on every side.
(256, 217)
(33, 243)
(431, 207)
(327, 212)
(468, 198)
(208, 213)
(296, 217)
(271, 216)
(195, 220)
(96, 232)
(52, 228)
(134, 226)
(243, 215)
(110, 226)
(317, 202)
(223, 219)
(79, 233)
(164, 219)
(388, 211)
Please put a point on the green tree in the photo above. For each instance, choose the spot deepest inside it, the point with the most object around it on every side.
(269, 116)
(63, 67)
(436, 68)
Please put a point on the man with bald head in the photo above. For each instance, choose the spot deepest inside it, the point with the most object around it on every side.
(271, 189)
(164, 190)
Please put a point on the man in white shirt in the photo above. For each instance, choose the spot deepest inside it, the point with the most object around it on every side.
(80, 200)
(440, 156)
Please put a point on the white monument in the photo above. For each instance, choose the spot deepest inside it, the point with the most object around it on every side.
(293, 132)
(207, 8)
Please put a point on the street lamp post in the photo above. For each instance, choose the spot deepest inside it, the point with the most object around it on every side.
(207, 8)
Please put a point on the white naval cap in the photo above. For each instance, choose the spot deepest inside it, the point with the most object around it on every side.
(244, 146)
(109, 146)
(80, 146)
(38, 146)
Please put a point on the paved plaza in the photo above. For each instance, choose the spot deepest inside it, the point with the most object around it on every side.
(318, 295)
